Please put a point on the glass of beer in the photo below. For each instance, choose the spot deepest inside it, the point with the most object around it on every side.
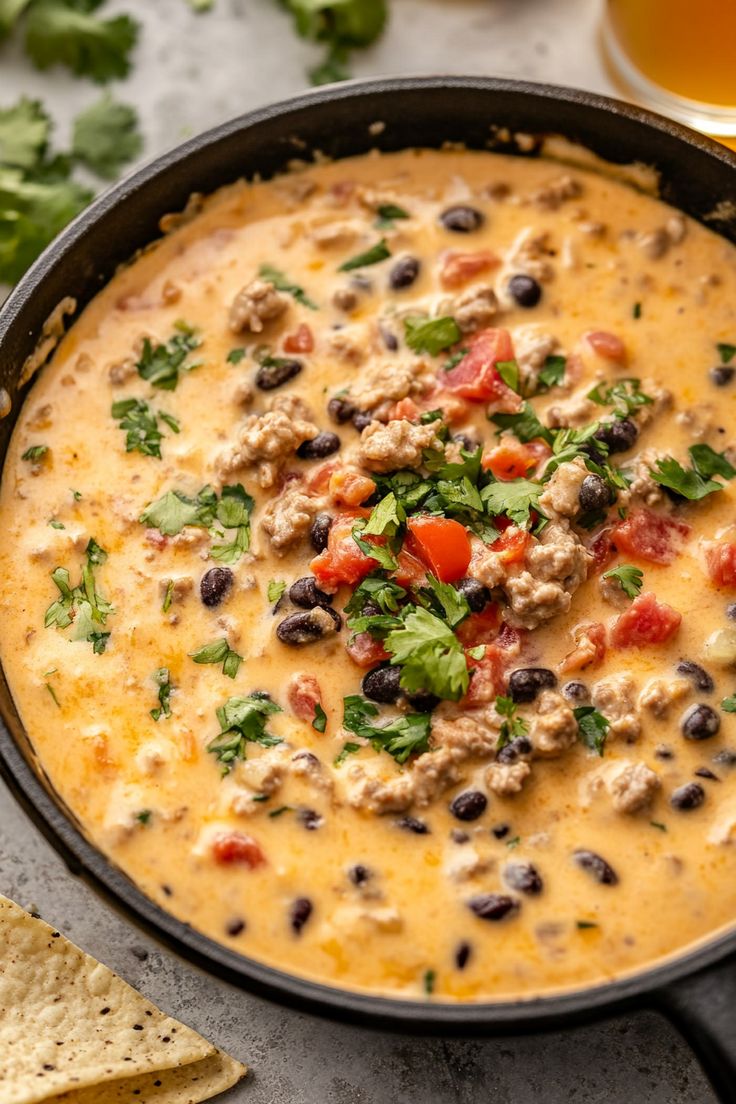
(678, 57)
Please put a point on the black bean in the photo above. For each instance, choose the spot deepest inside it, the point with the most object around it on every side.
(306, 756)
(340, 409)
(469, 805)
(404, 273)
(382, 684)
(620, 435)
(664, 752)
(475, 593)
(422, 701)
(594, 494)
(525, 290)
(275, 373)
(359, 874)
(526, 682)
(320, 531)
(514, 750)
(390, 340)
(700, 722)
(361, 419)
(597, 867)
(524, 877)
(457, 835)
(687, 797)
(462, 219)
(576, 692)
(462, 954)
(700, 678)
(725, 757)
(500, 831)
(731, 611)
(214, 585)
(722, 374)
(411, 824)
(465, 441)
(305, 593)
(705, 772)
(235, 926)
(304, 628)
(300, 912)
(493, 906)
(324, 444)
(310, 819)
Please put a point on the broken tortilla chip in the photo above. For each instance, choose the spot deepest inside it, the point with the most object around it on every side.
(72, 1031)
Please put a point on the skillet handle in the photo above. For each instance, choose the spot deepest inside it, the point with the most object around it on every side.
(703, 1008)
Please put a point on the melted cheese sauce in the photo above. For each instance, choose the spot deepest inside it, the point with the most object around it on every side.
(88, 715)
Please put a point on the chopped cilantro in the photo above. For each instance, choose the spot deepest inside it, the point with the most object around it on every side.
(728, 705)
(454, 360)
(726, 351)
(508, 370)
(58, 32)
(168, 596)
(281, 809)
(513, 842)
(658, 824)
(219, 652)
(385, 518)
(162, 678)
(552, 373)
(348, 748)
(388, 214)
(233, 512)
(160, 365)
(52, 692)
(707, 462)
(686, 482)
(431, 335)
(478, 652)
(55, 523)
(319, 723)
(428, 981)
(106, 135)
(384, 593)
(170, 513)
(235, 356)
(624, 395)
(583, 925)
(515, 498)
(35, 453)
(81, 605)
(430, 655)
(401, 737)
(512, 726)
(342, 25)
(282, 283)
(275, 591)
(446, 600)
(141, 426)
(631, 578)
(636, 310)
(377, 253)
(242, 720)
(524, 424)
(24, 129)
(144, 816)
(592, 727)
(98, 640)
(381, 553)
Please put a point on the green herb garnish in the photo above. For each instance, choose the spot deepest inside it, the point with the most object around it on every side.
(513, 726)
(430, 655)
(319, 723)
(388, 214)
(726, 351)
(428, 982)
(170, 513)
(35, 453)
(401, 737)
(631, 578)
(242, 720)
(141, 426)
(162, 678)
(160, 365)
(275, 591)
(106, 136)
(431, 335)
(592, 727)
(282, 282)
(219, 652)
(377, 253)
(168, 597)
(81, 605)
(348, 748)
(235, 356)
(624, 395)
(728, 705)
(516, 498)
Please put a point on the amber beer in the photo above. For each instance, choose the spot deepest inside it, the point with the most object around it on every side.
(678, 56)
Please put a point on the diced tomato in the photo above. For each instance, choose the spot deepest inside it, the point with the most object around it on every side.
(607, 345)
(458, 268)
(319, 480)
(488, 676)
(649, 536)
(602, 550)
(342, 561)
(405, 409)
(475, 377)
(236, 847)
(509, 460)
(365, 650)
(454, 408)
(512, 545)
(442, 544)
(304, 695)
(589, 650)
(302, 341)
(646, 621)
(721, 562)
(350, 488)
(411, 572)
(480, 628)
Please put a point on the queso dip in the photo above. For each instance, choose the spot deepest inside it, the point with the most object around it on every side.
(369, 574)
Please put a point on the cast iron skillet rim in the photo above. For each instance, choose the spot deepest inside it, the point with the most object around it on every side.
(59, 827)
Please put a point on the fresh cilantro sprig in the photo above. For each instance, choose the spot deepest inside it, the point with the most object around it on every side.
(275, 591)
(431, 335)
(513, 726)
(140, 424)
(174, 510)
(430, 655)
(726, 351)
(516, 499)
(592, 728)
(35, 453)
(81, 606)
(219, 651)
(106, 137)
(377, 253)
(161, 365)
(343, 25)
(162, 678)
(282, 282)
(625, 396)
(696, 482)
(233, 512)
(242, 720)
(630, 578)
(401, 737)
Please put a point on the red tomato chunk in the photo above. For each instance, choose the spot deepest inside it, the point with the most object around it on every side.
(443, 545)
(646, 621)
(304, 696)
(476, 377)
(721, 562)
(236, 847)
(342, 561)
(458, 268)
(300, 342)
(365, 650)
(649, 536)
(607, 345)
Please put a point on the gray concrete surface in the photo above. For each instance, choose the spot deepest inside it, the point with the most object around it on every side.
(192, 72)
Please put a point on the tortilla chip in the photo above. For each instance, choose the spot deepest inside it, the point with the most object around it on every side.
(69, 1024)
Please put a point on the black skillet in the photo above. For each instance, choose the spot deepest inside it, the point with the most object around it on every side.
(697, 989)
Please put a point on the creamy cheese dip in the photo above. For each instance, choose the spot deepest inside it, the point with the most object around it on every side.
(542, 618)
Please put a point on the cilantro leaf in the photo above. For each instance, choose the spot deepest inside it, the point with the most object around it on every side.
(552, 373)
(162, 678)
(235, 356)
(81, 606)
(468, 465)
(233, 512)
(631, 578)
(348, 748)
(24, 132)
(342, 24)
(454, 360)
(275, 591)
(381, 553)
(515, 498)
(32, 212)
(430, 655)
(513, 726)
(447, 601)
(592, 727)
(707, 461)
(242, 720)
(173, 510)
(219, 652)
(508, 370)
(686, 482)
(319, 724)
(375, 590)
(377, 253)
(10, 11)
(388, 213)
(35, 453)
(161, 364)
(431, 335)
(386, 517)
(401, 737)
(728, 705)
(141, 425)
(106, 136)
(168, 596)
(524, 424)
(282, 283)
(726, 351)
(58, 33)
(624, 395)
